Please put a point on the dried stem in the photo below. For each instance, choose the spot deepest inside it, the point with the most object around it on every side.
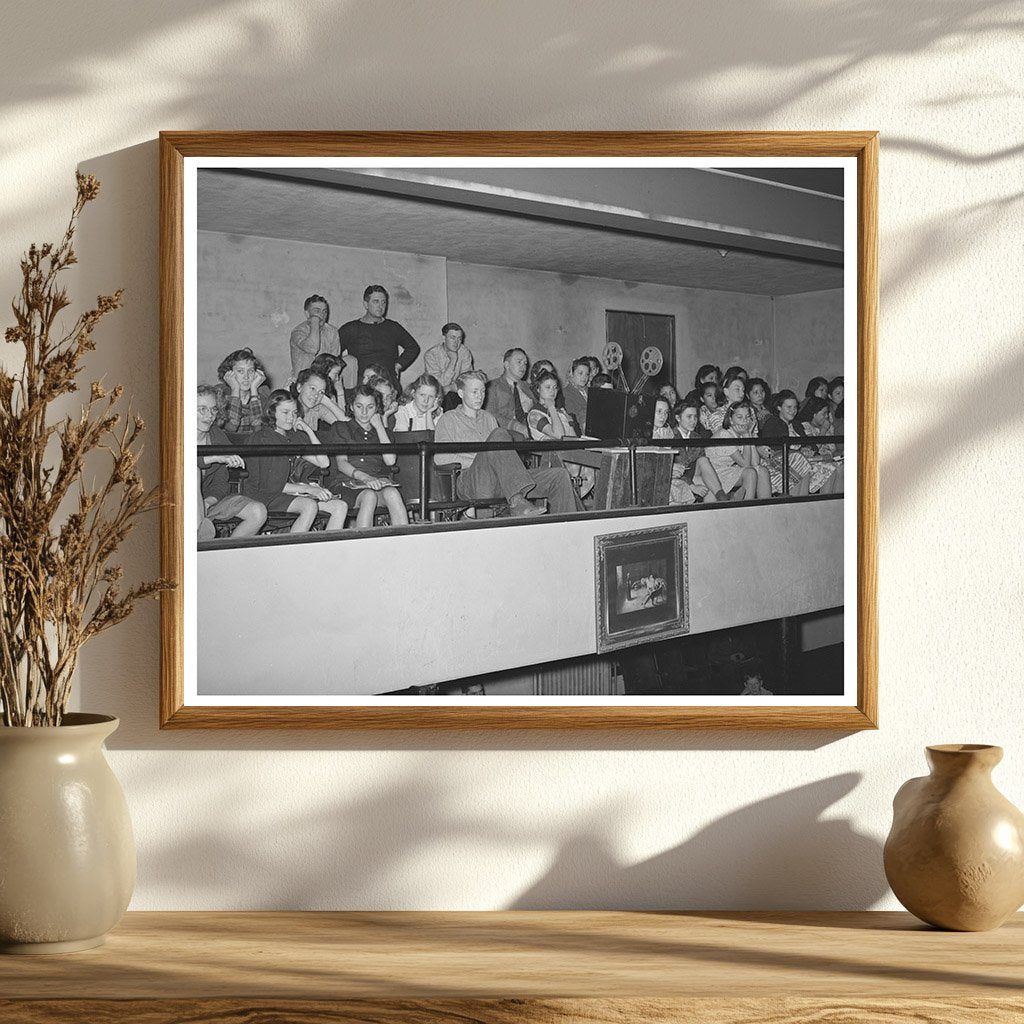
(58, 587)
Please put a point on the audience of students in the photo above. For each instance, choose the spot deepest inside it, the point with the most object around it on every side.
(241, 408)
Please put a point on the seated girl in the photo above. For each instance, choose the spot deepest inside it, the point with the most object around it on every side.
(693, 476)
(217, 502)
(669, 393)
(365, 480)
(707, 374)
(817, 387)
(315, 408)
(421, 408)
(679, 492)
(331, 368)
(388, 395)
(540, 367)
(759, 395)
(662, 430)
(371, 373)
(711, 398)
(548, 422)
(242, 394)
(783, 424)
(739, 466)
(276, 480)
(815, 422)
(836, 390)
(734, 387)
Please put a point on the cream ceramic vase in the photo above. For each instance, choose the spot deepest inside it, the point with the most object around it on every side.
(67, 855)
(955, 855)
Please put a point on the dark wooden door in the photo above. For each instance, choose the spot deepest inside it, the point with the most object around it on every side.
(634, 332)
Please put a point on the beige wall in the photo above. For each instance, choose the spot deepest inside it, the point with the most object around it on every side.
(735, 820)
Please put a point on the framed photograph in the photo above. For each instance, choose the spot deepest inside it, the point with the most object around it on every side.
(641, 590)
(519, 430)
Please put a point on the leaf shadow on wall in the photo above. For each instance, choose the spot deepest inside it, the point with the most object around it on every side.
(228, 53)
(418, 841)
(777, 853)
(964, 419)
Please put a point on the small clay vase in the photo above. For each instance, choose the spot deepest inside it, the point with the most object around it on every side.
(955, 854)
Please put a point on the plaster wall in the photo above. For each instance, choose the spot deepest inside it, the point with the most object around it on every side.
(808, 332)
(744, 565)
(562, 316)
(251, 290)
(250, 293)
(285, 820)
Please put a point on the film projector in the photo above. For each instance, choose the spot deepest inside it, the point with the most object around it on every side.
(628, 413)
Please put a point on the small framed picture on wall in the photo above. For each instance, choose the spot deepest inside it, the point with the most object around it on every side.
(641, 587)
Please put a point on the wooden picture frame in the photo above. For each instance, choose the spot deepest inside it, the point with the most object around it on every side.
(179, 151)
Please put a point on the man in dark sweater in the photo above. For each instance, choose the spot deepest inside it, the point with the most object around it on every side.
(375, 339)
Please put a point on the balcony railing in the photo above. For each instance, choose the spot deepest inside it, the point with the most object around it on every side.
(425, 450)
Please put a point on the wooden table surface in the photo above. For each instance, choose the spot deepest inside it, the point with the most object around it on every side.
(524, 966)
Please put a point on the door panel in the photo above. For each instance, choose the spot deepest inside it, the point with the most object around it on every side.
(634, 332)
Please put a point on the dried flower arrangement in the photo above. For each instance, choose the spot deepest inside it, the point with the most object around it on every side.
(58, 588)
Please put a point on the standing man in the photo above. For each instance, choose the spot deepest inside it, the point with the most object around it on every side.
(313, 336)
(447, 360)
(508, 398)
(375, 339)
(499, 474)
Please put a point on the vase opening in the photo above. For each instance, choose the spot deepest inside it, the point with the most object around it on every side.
(961, 748)
(959, 757)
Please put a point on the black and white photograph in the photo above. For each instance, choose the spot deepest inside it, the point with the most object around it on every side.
(429, 390)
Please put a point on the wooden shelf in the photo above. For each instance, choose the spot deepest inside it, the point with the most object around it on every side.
(506, 968)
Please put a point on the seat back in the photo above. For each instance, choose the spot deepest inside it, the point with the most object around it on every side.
(408, 467)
